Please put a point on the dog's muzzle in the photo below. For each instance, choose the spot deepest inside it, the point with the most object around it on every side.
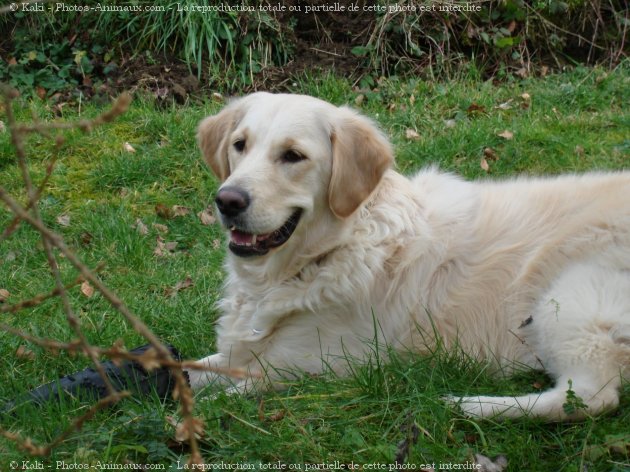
(232, 202)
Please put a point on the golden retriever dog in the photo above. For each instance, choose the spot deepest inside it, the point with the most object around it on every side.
(331, 250)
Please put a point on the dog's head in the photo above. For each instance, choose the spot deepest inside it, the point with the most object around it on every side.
(288, 162)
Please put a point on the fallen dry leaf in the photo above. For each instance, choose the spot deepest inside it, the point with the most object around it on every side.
(526, 97)
(4, 295)
(179, 210)
(277, 416)
(160, 228)
(358, 101)
(86, 238)
(207, 216)
(25, 353)
(64, 220)
(490, 154)
(163, 211)
(87, 289)
(216, 244)
(217, 96)
(506, 134)
(140, 227)
(160, 249)
(450, 123)
(505, 105)
(178, 287)
(475, 109)
(58, 108)
(163, 248)
(128, 147)
(412, 134)
(412, 99)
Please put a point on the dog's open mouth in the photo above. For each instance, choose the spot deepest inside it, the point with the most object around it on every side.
(246, 244)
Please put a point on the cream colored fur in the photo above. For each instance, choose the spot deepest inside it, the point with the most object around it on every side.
(532, 272)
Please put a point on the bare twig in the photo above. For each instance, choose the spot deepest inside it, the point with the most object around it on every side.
(29, 213)
(556, 27)
(15, 223)
(18, 141)
(119, 353)
(38, 299)
(25, 444)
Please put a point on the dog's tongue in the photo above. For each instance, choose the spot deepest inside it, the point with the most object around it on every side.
(243, 238)
(239, 237)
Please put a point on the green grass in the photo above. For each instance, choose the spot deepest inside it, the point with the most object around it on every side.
(575, 122)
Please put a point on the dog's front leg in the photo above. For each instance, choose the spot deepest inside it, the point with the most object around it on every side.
(216, 370)
(213, 369)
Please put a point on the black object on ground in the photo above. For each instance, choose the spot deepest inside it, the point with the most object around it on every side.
(130, 375)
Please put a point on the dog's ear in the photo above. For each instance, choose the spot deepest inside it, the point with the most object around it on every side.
(212, 136)
(361, 155)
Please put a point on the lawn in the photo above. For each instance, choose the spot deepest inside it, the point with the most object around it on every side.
(112, 196)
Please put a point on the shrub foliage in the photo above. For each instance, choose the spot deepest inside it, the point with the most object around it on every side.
(56, 50)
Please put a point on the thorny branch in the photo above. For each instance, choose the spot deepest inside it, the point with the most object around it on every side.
(29, 213)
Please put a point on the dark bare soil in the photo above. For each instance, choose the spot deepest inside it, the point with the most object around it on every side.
(322, 42)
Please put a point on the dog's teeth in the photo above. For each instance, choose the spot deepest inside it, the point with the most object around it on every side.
(254, 240)
(232, 228)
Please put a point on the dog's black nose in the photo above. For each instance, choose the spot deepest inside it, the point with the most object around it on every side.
(231, 201)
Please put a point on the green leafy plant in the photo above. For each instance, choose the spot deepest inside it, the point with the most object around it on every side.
(58, 52)
(574, 402)
(496, 35)
(49, 67)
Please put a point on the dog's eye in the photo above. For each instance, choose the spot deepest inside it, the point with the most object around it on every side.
(239, 145)
(292, 156)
